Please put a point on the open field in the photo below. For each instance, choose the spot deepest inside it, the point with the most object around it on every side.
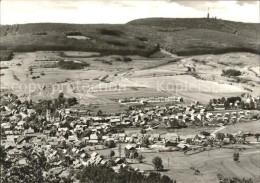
(177, 165)
(33, 75)
(218, 161)
(250, 127)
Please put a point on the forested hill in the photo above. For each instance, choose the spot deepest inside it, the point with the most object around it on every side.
(182, 36)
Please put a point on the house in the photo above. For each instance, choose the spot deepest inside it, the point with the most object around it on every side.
(226, 140)
(121, 137)
(130, 146)
(22, 161)
(94, 154)
(119, 161)
(94, 137)
(54, 144)
(46, 132)
(172, 137)
(103, 162)
(234, 113)
(219, 107)
(8, 132)
(20, 139)
(15, 152)
(29, 131)
(187, 137)
(183, 146)
(128, 139)
(105, 137)
(93, 141)
(241, 112)
(240, 133)
(114, 121)
(72, 138)
(248, 112)
(234, 118)
(6, 126)
(62, 129)
(20, 123)
(209, 115)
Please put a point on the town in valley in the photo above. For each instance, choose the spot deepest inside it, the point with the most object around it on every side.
(153, 100)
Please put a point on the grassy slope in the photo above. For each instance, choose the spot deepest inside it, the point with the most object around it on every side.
(179, 36)
(199, 36)
(24, 38)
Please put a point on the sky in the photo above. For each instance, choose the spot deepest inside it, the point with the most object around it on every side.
(122, 11)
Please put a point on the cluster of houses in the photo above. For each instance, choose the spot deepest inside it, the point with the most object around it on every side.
(246, 101)
(68, 143)
(144, 100)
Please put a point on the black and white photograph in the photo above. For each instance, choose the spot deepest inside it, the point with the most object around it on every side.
(129, 91)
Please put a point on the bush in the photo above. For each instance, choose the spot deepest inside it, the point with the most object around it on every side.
(106, 62)
(157, 162)
(118, 59)
(140, 46)
(236, 156)
(142, 38)
(116, 43)
(75, 33)
(110, 144)
(127, 59)
(231, 72)
(70, 65)
(4, 68)
(110, 32)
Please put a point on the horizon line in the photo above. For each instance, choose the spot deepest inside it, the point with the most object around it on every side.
(127, 21)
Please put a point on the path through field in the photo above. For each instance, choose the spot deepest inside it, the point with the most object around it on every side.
(217, 130)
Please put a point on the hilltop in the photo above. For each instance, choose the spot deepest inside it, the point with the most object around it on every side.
(199, 23)
(186, 36)
(194, 36)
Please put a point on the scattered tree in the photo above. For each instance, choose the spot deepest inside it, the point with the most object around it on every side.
(140, 158)
(157, 162)
(257, 135)
(236, 156)
(112, 154)
(220, 136)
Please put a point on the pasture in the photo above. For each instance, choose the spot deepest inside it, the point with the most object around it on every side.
(219, 161)
(107, 79)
